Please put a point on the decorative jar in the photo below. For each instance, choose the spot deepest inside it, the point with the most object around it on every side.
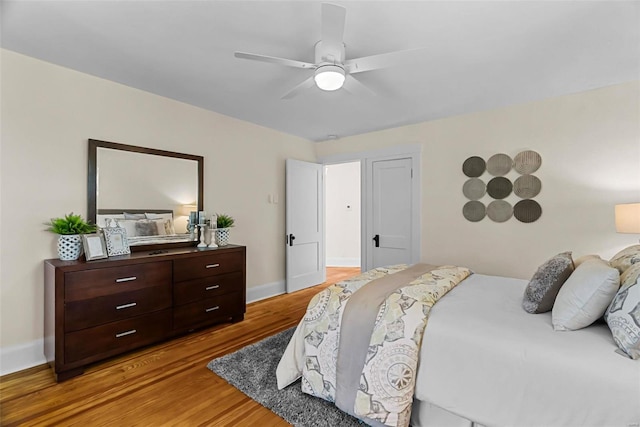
(69, 247)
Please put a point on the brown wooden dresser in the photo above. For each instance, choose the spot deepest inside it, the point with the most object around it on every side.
(98, 309)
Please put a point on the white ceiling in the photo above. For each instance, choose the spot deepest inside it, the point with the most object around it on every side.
(479, 54)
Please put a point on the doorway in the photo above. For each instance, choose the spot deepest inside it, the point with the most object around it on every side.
(368, 199)
(343, 214)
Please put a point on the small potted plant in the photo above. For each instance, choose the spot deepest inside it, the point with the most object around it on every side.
(69, 229)
(223, 223)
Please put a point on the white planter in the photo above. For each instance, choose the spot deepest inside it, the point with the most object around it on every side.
(69, 247)
(222, 236)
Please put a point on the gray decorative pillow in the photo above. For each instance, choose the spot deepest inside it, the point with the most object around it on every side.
(146, 228)
(626, 258)
(541, 292)
(623, 315)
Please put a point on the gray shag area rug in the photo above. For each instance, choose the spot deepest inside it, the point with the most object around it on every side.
(252, 370)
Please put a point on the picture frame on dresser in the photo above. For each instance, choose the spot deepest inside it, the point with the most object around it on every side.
(116, 241)
(94, 246)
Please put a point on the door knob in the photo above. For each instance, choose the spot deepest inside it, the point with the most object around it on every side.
(291, 239)
(376, 239)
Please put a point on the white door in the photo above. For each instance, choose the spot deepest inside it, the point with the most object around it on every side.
(391, 200)
(304, 225)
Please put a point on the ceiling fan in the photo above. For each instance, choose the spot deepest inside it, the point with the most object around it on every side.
(331, 70)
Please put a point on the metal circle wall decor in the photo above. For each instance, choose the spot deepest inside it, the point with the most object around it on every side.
(499, 211)
(527, 211)
(499, 187)
(527, 186)
(499, 164)
(527, 162)
(474, 211)
(474, 189)
(474, 166)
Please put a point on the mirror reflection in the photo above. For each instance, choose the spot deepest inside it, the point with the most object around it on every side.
(148, 192)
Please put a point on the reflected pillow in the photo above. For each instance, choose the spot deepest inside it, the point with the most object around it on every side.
(623, 315)
(165, 226)
(541, 292)
(128, 224)
(626, 258)
(133, 216)
(146, 227)
(585, 295)
(149, 215)
(102, 219)
(155, 227)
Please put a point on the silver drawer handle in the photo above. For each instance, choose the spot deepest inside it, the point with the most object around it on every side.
(126, 279)
(208, 310)
(209, 288)
(131, 304)
(124, 334)
(213, 265)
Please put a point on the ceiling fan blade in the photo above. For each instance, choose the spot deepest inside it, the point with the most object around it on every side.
(274, 60)
(355, 87)
(384, 60)
(306, 84)
(333, 17)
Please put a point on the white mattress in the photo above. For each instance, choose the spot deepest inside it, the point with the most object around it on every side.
(485, 359)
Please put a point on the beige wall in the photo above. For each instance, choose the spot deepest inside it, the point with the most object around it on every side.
(49, 112)
(590, 148)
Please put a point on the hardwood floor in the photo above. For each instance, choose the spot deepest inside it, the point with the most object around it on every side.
(165, 384)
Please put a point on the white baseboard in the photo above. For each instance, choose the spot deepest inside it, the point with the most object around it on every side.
(268, 290)
(343, 262)
(23, 356)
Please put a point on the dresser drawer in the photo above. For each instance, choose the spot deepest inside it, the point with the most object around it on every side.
(87, 284)
(204, 266)
(83, 314)
(199, 289)
(207, 311)
(115, 337)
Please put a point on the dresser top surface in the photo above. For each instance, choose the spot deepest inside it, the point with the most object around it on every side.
(143, 256)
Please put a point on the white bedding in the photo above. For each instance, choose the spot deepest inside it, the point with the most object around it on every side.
(485, 359)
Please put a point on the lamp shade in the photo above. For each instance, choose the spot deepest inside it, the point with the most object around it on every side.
(329, 77)
(184, 210)
(628, 218)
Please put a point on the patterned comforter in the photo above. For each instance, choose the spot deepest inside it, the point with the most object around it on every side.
(358, 343)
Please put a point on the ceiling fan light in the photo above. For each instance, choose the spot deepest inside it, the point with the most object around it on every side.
(329, 77)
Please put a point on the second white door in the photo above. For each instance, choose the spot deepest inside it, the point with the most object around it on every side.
(390, 239)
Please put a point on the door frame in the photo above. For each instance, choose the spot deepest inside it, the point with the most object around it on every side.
(366, 158)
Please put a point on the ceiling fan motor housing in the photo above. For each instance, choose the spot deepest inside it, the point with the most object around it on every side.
(329, 54)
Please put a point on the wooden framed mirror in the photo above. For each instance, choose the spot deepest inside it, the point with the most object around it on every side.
(144, 184)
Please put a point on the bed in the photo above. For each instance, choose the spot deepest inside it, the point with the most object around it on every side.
(485, 361)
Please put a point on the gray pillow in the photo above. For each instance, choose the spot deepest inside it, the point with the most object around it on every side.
(146, 228)
(541, 292)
